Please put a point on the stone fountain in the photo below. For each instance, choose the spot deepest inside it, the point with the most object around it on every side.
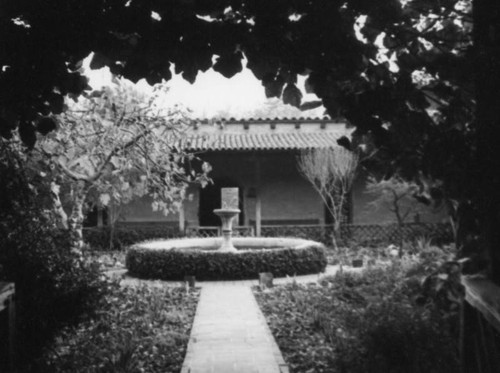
(207, 258)
(227, 216)
(228, 211)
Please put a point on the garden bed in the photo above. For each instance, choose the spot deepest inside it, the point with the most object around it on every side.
(141, 329)
(366, 322)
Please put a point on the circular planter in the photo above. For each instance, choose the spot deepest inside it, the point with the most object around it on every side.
(199, 257)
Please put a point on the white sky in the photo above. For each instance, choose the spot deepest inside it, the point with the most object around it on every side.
(211, 92)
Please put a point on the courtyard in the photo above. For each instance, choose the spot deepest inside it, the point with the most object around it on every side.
(240, 186)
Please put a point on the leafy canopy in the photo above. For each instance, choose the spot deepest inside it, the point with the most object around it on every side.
(121, 144)
(399, 71)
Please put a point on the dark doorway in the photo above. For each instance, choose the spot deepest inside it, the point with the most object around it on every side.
(92, 217)
(210, 200)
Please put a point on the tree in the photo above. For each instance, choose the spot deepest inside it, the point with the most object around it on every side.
(331, 171)
(396, 195)
(116, 144)
(54, 287)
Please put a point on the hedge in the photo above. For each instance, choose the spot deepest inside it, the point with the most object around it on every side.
(175, 264)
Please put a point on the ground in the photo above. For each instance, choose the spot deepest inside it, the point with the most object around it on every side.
(317, 325)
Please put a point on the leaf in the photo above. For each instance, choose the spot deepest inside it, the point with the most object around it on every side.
(273, 85)
(27, 133)
(310, 105)
(87, 165)
(206, 167)
(6, 128)
(115, 161)
(99, 61)
(443, 276)
(46, 125)
(345, 142)
(76, 83)
(104, 199)
(309, 85)
(229, 65)
(292, 95)
(56, 101)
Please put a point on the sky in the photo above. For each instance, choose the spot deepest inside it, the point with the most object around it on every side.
(212, 92)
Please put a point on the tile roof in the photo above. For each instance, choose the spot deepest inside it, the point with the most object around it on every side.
(261, 141)
(264, 119)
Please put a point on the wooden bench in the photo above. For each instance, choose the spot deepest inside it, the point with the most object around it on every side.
(7, 304)
(480, 331)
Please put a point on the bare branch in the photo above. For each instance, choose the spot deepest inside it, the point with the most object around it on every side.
(331, 171)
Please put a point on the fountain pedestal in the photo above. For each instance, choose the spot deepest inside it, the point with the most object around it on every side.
(227, 216)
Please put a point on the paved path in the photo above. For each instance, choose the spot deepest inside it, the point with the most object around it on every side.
(230, 335)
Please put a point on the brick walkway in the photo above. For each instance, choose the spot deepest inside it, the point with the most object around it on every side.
(230, 335)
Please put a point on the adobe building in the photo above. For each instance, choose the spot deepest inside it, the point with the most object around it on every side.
(260, 158)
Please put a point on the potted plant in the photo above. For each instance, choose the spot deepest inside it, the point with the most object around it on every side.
(358, 259)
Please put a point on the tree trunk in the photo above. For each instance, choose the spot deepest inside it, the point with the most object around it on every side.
(76, 217)
(113, 215)
(336, 234)
(62, 217)
(486, 14)
(111, 235)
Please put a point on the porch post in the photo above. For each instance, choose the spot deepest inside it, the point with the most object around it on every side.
(257, 199)
(181, 218)
(100, 217)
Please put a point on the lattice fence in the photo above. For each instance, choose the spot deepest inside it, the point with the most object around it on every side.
(243, 231)
(364, 234)
(320, 233)
(374, 234)
(196, 231)
(129, 234)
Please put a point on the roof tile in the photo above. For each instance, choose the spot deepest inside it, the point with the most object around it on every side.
(261, 141)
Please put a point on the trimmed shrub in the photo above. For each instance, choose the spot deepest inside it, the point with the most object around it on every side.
(173, 264)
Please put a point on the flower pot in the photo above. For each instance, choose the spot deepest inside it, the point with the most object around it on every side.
(357, 263)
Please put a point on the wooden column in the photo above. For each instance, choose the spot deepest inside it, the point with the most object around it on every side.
(100, 217)
(258, 216)
(182, 225)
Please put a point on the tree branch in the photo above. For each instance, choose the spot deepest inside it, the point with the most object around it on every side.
(115, 151)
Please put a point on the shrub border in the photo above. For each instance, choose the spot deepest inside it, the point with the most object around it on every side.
(175, 263)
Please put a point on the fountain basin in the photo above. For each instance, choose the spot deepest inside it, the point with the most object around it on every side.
(200, 257)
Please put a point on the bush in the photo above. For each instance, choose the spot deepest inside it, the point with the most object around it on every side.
(136, 329)
(53, 285)
(364, 322)
(99, 238)
(175, 264)
(379, 327)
